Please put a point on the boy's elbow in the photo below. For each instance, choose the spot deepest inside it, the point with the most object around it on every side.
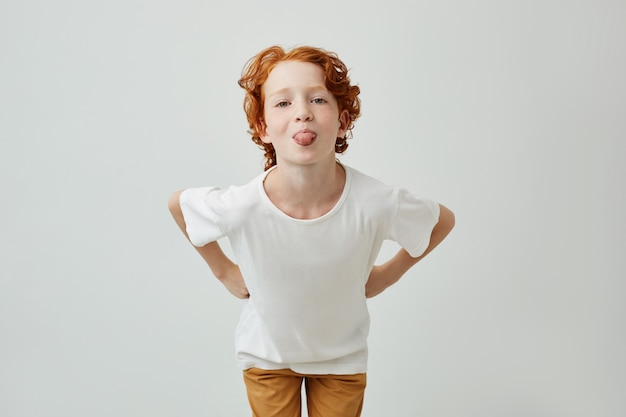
(446, 219)
(173, 203)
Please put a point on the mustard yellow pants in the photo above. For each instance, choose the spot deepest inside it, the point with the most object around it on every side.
(277, 393)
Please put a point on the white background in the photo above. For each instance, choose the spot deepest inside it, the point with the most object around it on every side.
(512, 113)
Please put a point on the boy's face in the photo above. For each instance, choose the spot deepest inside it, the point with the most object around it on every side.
(301, 117)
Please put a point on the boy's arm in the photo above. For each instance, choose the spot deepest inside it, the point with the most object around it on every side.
(387, 274)
(222, 267)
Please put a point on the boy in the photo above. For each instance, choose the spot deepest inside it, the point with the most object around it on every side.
(306, 234)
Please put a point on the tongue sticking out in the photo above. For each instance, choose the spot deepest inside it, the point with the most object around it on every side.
(304, 138)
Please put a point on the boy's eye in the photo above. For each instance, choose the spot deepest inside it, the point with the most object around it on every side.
(282, 104)
(318, 100)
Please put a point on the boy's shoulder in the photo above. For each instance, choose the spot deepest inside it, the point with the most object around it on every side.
(364, 183)
(232, 195)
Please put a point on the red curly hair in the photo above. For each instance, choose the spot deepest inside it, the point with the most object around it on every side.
(258, 68)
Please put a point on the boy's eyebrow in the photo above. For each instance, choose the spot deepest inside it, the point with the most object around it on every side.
(287, 89)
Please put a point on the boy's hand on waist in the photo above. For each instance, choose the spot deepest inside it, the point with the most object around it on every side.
(234, 282)
(377, 281)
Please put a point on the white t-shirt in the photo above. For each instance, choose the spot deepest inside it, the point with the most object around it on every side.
(307, 309)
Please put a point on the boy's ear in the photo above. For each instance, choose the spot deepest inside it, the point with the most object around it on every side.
(261, 128)
(344, 123)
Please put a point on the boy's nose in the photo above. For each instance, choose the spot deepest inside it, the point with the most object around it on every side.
(303, 113)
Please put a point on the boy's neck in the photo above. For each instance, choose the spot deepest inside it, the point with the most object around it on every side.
(305, 192)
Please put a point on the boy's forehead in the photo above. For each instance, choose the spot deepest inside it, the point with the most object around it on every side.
(289, 74)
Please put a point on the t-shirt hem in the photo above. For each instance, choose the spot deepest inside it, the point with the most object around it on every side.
(309, 369)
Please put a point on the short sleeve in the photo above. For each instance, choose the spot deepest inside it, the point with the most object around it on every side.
(414, 222)
(200, 219)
